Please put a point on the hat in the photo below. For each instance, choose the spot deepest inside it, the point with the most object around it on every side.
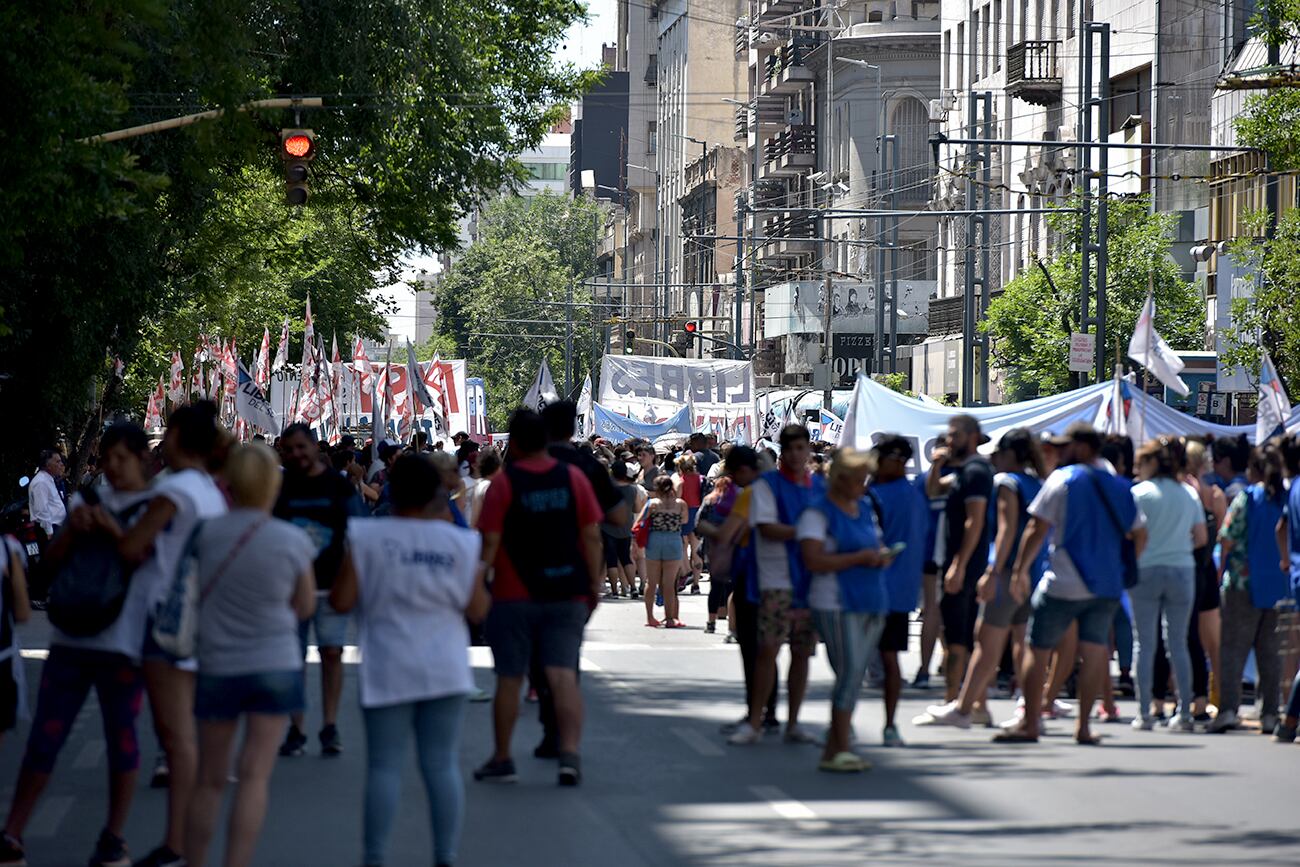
(1048, 438)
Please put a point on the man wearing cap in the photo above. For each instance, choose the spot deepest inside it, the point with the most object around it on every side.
(966, 548)
(1091, 511)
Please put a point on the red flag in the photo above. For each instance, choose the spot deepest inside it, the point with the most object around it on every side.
(262, 367)
(229, 370)
(176, 385)
(153, 410)
(282, 350)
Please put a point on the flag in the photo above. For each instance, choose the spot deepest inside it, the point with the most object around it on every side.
(436, 379)
(202, 354)
(230, 368)
(307, 367)
(119, 367)
(415, 384)
(196, 384)
(251, 403)
(362, 364)
(1112, 415)
(262, 367)
(176, 385)
(832, 427)
(769, 422)
(1149, 349)
(586, 417)
(336, 382)
(282, 349)
(153, 409)
(542, 391)
(1274, 406)
(378, 417)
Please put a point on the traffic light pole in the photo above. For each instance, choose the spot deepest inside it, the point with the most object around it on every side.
(188, 119)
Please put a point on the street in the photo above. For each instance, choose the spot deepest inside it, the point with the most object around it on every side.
(662, 787)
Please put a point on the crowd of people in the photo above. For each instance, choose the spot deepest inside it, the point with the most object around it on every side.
(1033, 561)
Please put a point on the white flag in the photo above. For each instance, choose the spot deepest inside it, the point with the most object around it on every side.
(251, 404)
(1149, 349)
(282, 350)
(586, 418)
(542, 391)
(832, 427)
(262, 364)
(1274, 406)
(415, 379)
(176, 385)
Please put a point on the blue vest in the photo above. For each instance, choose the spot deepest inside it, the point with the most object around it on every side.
(1027, 487)
(791, 500)
(1268, 583)
(862, 589)
(904, 517)
(1293, 535)
(1089, 536)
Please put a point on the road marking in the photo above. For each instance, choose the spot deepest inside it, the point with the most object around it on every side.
(783, 805)
(587, 665)
(49, 816)
(698, 742)
(36, 653)
(88, 756)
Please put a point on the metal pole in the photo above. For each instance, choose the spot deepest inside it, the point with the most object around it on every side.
(738, 281)
(968, 298)
(827, 304)
(188, 119)
(568, 340)
(892, 140)
(1103, 167)
(1083, 157)
(878, 356)
(607, 311)
(982, 340)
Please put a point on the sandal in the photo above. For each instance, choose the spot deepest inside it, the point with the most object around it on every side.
(1090, 741)
(652, 624)
(1014, 737)
(844, 763)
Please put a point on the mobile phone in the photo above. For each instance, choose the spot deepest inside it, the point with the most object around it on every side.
(897, 548)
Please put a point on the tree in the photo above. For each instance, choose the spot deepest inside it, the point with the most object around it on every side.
(1031, 321)
(1267, 317)
(503, 305)
(127, 249)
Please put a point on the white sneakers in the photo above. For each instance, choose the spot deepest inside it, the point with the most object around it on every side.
(745, 736)
(943, 715)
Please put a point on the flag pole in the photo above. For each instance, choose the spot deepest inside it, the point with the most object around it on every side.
(1151, 340)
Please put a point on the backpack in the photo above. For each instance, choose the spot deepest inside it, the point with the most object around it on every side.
(91, 583)
(540, 534)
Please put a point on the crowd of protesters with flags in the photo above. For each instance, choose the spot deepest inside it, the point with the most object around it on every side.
(199, 574)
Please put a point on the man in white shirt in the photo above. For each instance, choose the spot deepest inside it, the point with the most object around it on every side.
(43, 499)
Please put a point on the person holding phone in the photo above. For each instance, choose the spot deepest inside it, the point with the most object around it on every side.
(841, 546)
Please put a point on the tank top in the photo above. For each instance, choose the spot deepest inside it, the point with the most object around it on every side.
(666, 522)
(691, 489)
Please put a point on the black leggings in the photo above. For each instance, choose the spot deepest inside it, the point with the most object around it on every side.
(747, 637)
(719, 590)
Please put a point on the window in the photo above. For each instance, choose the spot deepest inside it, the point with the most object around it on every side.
(1130, 95)
(547, 171)
(1024, 20)
(997, 35)
(1069, 19)
(960, 82)
(947, 60)
(909, 122)
(976, 56)
(651, 137)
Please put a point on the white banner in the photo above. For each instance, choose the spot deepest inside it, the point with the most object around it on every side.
(640, 385)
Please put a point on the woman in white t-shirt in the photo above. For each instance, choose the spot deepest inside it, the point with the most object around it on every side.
(413, 579)
(255, 575)
(109, 660)
(182, 499)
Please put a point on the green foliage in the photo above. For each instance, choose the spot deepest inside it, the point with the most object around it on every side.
(1271, 120)
(130, 248)
(502, 305)
(1031, 321)
(1270, 317)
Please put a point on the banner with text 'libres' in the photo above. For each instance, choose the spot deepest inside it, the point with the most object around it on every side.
(634, 381)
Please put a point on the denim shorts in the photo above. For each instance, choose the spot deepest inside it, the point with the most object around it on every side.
(663, 545)
(226, 697)
(331, 627)
(1053, 616)
(693, 512)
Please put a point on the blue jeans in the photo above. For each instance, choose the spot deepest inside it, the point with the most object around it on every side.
(850, 638)
(436, 724)
(1163, 593)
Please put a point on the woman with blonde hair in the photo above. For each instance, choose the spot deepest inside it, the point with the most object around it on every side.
(689, 485)
(841, 546)
(256, 584)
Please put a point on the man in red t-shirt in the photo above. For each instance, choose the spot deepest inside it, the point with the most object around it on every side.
(541, 535)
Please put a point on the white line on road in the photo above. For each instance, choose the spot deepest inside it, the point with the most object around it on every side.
(36, 653)
(88, 756)
(782, 804)
(49, 816)
(698, 742)
(587, 665)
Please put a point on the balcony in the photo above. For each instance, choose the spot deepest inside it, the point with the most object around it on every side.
(769, 9)
(742, 123)
(790, 152)
(742, 38)
(1034, 72)
(784, 71)
(791, 234)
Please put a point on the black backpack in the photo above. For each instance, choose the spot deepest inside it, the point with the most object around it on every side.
(91, 583)
(541, 534)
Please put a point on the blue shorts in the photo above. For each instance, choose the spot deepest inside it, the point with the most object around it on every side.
(331, 626)
(227, 697)
(663, 545)
(1052, 617)
(689, 527)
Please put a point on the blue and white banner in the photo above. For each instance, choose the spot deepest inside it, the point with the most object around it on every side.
(614, 426)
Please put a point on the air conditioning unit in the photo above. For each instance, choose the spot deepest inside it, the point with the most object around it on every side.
(938, 114)
(794, 117)
(948, 98)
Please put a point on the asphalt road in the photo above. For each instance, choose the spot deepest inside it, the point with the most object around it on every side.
(662, 787)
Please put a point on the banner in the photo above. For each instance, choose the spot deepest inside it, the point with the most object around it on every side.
(251, 404)
(611, 425)
(874, 410)
(476, 393)
(635, 383)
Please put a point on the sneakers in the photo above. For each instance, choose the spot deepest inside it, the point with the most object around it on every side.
(497, 772)
(479, 696)
(1181, 724)
(162, 774)
(892, 738)
(547, 749)
(295, 743)
(982, 717)
(161, 857)
(1267, 723)
(570, 773)
(1223, 720)
(745, 736)
(921, 681)
(944, 715)
(797, 735)
(11, 852)
(711, 627)
(330, 745)
(1143, 724)
(1284, 734)
(730, 639)
(110, 851)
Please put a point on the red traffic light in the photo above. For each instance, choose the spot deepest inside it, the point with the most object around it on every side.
(691, 327)
(297, 144)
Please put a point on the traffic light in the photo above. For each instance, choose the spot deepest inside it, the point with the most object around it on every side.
(297, 150)
(629, 342)
(692, 328)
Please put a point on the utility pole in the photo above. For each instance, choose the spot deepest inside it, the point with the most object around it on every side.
(974, 348)
(1093, 280)
(828, 303)
(568, 340)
